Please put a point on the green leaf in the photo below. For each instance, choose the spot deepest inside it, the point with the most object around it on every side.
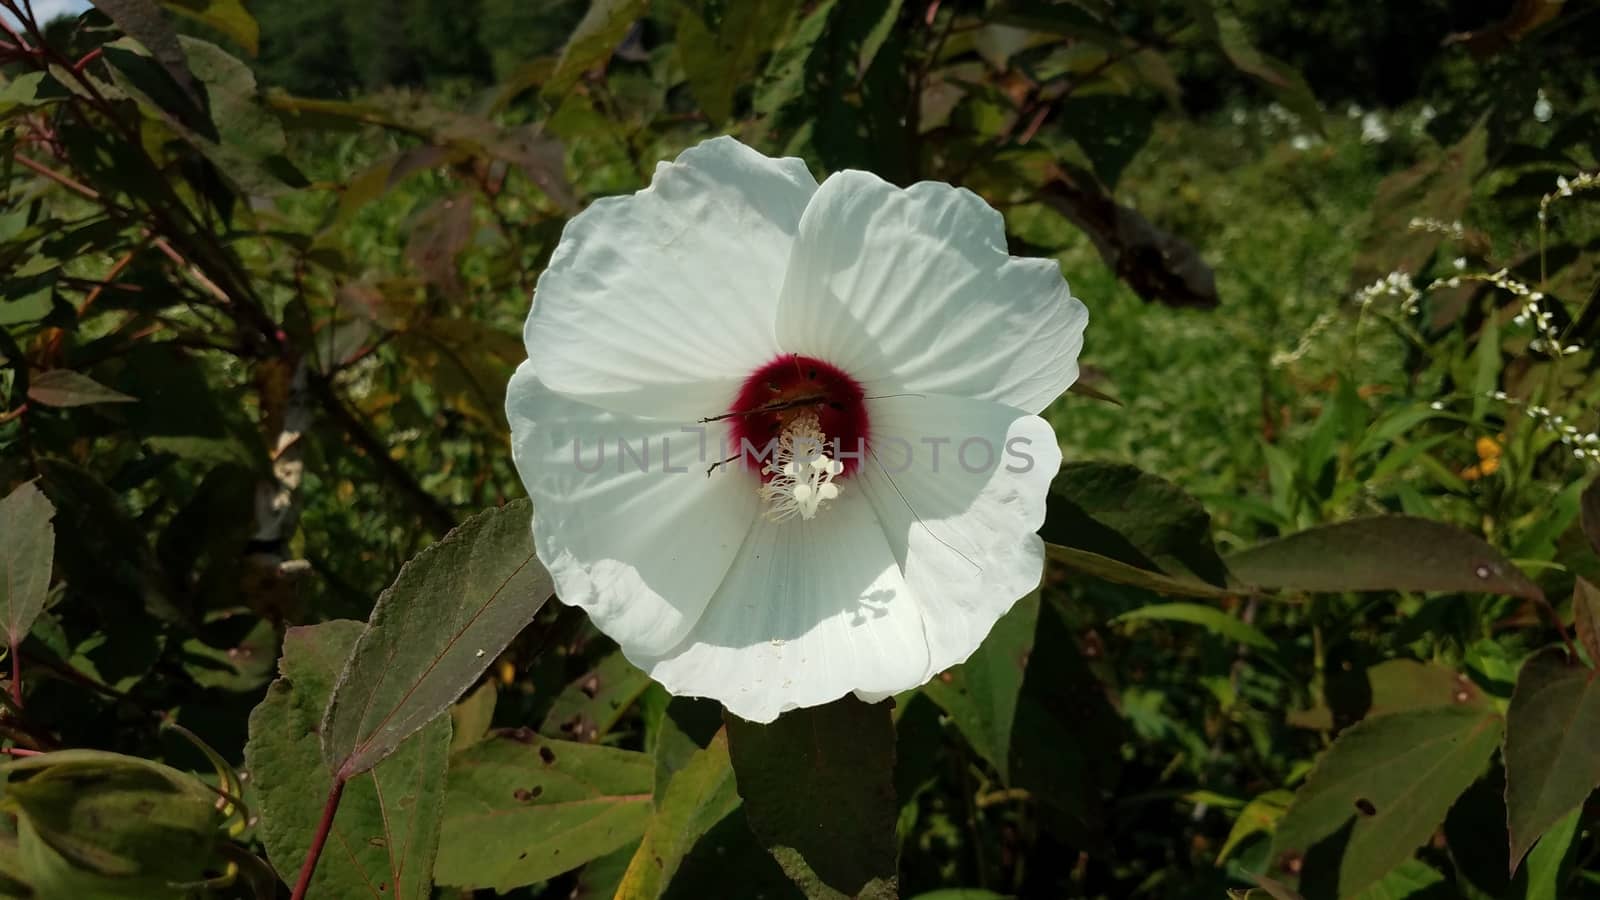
(1391, 686)
(588, 708)
(1589, 514)
(700, 794)
(1111, 129)
(1439, 187)
(27, 549)
(1119, 511)
(1382, 553)
(64, 387)
(227, 16)
(143, 21)
(1207, 617)
(386, 832)
(603, 27)
(721, 54)
(1410, 878)
(1287, 85)
(470, 719)
(818, 789)
(1552, 749)
(980, 695)
(1547, 862)
(1117, 572)
(1396, 776)
(103, 825)
(522, 809)
(450, 612)
(1261, 814)
(1586, 617)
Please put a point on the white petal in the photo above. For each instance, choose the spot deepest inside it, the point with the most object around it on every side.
(962, 523)
(641, 551)
(811, 611)
(654, 302)
(912, 290)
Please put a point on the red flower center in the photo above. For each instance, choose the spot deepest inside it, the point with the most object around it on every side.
(792, 386)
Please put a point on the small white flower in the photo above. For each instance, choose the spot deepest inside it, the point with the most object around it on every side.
(1301, 142)
(1373, 131)
(1436, 405)
(738, 300)
(1542, 110)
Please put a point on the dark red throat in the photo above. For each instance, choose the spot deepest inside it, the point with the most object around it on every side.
(789, 386)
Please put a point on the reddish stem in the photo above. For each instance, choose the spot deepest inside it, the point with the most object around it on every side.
(89, 57)
(309, 867)
(20, 751)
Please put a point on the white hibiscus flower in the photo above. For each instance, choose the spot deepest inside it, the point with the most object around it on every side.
(781, 439)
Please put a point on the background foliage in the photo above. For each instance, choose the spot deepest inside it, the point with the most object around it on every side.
(1319, 615)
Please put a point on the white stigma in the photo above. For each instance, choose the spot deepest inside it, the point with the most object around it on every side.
(802, 474)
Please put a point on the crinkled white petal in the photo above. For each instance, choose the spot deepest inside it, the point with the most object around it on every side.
(962, 525)
(810, 611)
(912, 290)
(642, 551)
(655, 301)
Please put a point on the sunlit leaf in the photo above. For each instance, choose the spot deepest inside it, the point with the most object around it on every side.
(386, 832)
(586, 709)
(591, 44)
(450, 612)
(980, 695)
(522, 809)
(227, 16)
(698, 796)
(1395, 776)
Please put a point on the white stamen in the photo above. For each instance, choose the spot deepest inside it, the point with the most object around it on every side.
(802, 474)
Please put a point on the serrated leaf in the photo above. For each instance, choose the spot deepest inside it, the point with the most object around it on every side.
(720, 54)
(522, 809)
(1552, 753)
(1382, 553)
(144, 22)
(450, 612)
(1208, 617)
(700, 794)
(603, 27)
(818, 789)
(1396, 776)
(27, 551)
(64, 387)
(386, 832)
(588, 708)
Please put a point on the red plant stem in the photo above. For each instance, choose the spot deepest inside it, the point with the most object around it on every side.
(89, 57)
(309, 867)
(8, 416)
(20, 751)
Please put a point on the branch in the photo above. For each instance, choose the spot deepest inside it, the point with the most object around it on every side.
(437, 515)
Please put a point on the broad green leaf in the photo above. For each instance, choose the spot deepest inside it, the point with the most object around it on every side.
(602, 29)
(386, 832)
(27, 549)
(1486, 365)
(1118, 511)
(470, 719)
(700, 795)
(227, 16)
(1207, 617)
(143, 21)
(1396, 776)
(720, 54)
(1391, 686)
(96, 824)
(1261, 814)
(522, 809)
(1547, 862)
(450, 612)
(587, 709)
(784, 82)
(64, 387)
(1410, 878)
(980, 695)
(818, 789)
(1381, 553)
(1552, 749)
(1438, 187)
